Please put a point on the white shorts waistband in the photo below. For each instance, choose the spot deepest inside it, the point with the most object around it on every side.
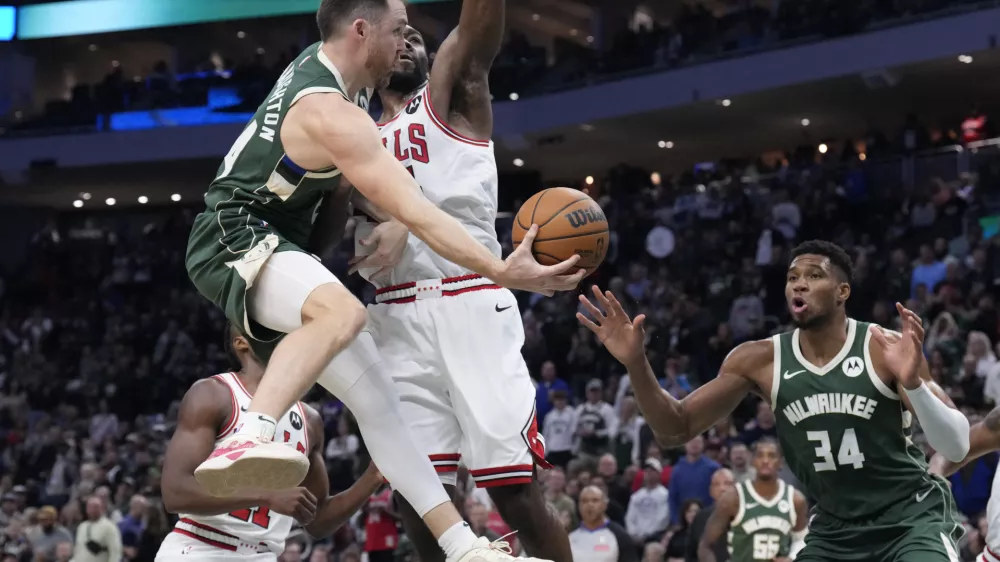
(433, 289)
(217, 538)
(989, 555)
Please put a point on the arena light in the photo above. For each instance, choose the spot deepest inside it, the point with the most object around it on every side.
(965, 59)
(727, 103)
(590, 39)
(514, 96)
(805, 122)
(862, 157)
(655, 178)
(143, 199)
(110, 201)
(590, 180)
(85, 196)
(175, 197)
(665, 144)
(823, 148)
(241, 34)
(518, 162)
(78, 203)
(92, 47)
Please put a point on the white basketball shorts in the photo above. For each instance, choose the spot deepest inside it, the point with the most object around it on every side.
(453, 347)
(178, 547)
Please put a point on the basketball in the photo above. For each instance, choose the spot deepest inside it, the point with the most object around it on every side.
(569, 222)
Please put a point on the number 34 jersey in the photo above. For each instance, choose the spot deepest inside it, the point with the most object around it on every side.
(256, 526)
(845, 434)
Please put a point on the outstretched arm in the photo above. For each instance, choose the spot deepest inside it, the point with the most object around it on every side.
(674, 422)
(460, 81)
(984, 437)
(723, 512)
(352, 141)
(333, 511)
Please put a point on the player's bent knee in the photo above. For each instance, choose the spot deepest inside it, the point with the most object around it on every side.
(332, 302)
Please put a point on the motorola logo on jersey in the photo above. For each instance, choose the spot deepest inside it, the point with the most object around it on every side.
(295, 419)
(414, 105)
(853, 366)
(585, 216)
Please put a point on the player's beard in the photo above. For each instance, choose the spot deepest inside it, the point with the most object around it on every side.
(812, 322)
(405, 83)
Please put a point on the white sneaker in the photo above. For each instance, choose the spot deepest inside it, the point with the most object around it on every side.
(497, 551)
(242, 462)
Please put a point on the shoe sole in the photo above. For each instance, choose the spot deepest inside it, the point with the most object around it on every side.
(252, 473)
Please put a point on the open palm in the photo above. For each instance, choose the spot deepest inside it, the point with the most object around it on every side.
(904, 354)
(623, 337)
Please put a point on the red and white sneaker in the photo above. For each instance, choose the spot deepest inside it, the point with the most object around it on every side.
(243, 462)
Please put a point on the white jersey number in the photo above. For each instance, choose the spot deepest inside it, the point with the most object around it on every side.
(241, 143)
(849, 454)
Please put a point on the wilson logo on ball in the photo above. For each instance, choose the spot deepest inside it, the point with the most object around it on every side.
(585, 216)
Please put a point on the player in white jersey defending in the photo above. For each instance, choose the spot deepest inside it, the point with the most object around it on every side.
(984, 437)
(450, 338)
(251, 525)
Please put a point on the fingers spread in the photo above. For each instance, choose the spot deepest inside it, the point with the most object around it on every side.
(593, 310)
(587, 323)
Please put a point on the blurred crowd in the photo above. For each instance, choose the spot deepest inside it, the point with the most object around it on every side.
(694, 34)
(101, 333)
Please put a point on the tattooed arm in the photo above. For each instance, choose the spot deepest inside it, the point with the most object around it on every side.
(984, 437)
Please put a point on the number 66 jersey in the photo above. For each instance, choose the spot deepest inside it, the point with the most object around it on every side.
(246, 532)
(844, 433)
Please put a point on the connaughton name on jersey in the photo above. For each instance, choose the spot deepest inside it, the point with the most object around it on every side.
(830, 403)
(273, 109)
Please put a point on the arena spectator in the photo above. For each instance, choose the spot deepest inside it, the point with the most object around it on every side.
(648, 514)
(549, 384)
(691, 478)
(595, 422)
(558, 429)
(381, 535)
(47, 535)
(97, 538)
(739, 462)
(722, 481)
(599, 539)
(557, 498)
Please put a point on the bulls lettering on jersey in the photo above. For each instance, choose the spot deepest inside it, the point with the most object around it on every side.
(257, 524)
(456, 173)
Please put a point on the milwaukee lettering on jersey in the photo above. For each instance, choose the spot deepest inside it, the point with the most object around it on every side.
(830, 403)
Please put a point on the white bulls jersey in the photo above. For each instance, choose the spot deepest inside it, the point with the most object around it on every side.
(456, 173)
(255, 526)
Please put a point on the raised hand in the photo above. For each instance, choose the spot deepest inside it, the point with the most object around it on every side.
(903, 355)
(623, 337)
(522, 271)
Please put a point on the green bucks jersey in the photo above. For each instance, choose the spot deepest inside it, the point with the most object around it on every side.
(844, 433)
(762, 527)
(257, 183)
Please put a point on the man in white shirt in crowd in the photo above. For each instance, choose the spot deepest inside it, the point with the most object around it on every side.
(97, 538)
(739, 461)
(557, 429)
(648, 513)
(598, 539)
(596, 422)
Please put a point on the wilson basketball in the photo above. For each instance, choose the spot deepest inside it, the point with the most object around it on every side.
(569, 222)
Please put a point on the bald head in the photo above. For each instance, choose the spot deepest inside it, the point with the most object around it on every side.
(593, 506)
(722, 481)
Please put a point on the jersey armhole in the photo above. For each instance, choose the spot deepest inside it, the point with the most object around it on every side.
(316, 90)
(230, 422)
(870, 367)
(775, 370)
(743, 505)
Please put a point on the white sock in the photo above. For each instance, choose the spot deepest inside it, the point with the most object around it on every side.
(260, 426)
(457, 540)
